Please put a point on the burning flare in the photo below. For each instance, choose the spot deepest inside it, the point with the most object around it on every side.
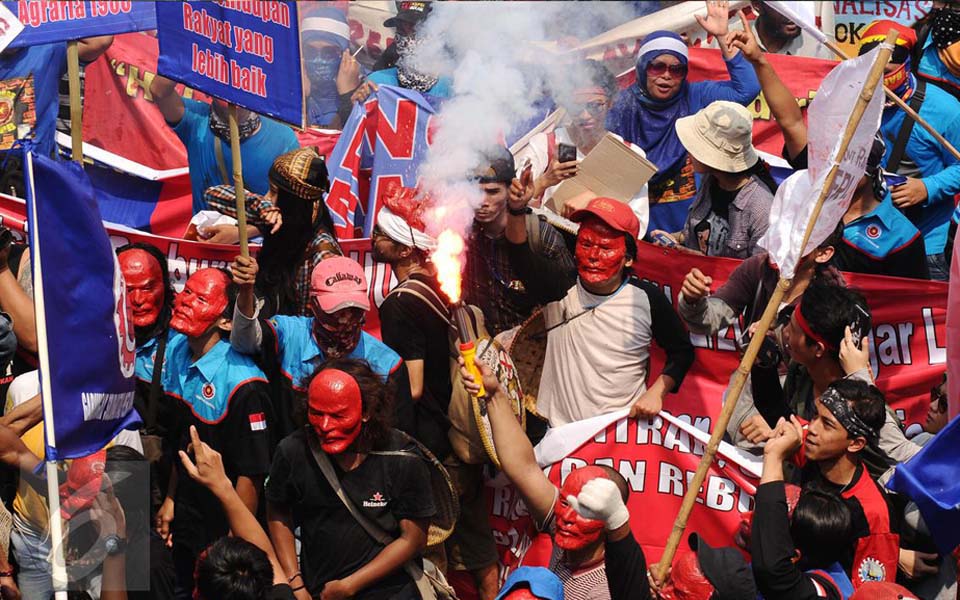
(448, 258)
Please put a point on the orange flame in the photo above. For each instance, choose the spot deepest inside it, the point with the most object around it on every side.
(448, 258)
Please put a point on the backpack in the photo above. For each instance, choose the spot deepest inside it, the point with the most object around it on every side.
(470, 434)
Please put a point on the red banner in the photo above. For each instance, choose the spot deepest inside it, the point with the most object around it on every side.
(802, 76)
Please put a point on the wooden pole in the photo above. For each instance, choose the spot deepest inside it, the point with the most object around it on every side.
(238, 182)
(903, 106)
(746, 364)
(76, 108)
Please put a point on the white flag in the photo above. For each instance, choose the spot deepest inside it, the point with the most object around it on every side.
(828, 116)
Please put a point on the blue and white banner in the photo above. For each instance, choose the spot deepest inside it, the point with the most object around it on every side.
(84, 325)
(247, 53)
(47, 22)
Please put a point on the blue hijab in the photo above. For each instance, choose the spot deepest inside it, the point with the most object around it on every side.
(647, 122)
(328, 25)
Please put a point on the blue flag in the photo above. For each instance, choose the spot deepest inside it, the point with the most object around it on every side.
(49, 22)
(932, 480)
(84, 325)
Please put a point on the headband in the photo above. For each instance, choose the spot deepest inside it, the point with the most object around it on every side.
(325, 24)
(401, 232)
(809, 332)
(847, 417)
(667, 44)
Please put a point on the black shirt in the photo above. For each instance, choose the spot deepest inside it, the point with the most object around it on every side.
(416, 332)
(199, 519)
(385, 488)
(626, 570)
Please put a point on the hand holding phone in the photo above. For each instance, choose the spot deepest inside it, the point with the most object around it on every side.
(566, 153)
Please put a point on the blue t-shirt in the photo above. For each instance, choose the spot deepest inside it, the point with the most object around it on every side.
(30, 95)
(259, 151)
(440, 90)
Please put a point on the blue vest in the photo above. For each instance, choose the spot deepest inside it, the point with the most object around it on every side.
(208, 384)
(300, 355)
(881, 232)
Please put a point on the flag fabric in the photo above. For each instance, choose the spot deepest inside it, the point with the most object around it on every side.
(932, 480)
(84, 324)
(383, 143)
(795, 199)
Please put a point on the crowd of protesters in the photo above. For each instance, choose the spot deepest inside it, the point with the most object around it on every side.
(285, 452)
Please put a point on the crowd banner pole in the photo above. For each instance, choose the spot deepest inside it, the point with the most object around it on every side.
(57, 542)
(746, 364)
(76, 108)
(820, 37)
(238, 182)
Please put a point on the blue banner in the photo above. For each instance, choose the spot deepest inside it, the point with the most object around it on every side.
(399, 121)
(47, 22)
(247, 53)
(88, 350)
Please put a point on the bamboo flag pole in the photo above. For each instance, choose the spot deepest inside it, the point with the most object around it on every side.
(238, 182)
(746, 364)
(76, 108)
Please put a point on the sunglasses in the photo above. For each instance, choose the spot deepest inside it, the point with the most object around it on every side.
(595, 108)
(659, 68)
(940, 397)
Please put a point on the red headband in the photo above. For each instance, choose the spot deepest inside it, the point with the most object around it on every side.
(809, 332)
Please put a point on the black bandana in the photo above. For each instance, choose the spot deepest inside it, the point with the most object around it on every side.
(847, 417)
(407, 76)
(221, 128)
(946, 28)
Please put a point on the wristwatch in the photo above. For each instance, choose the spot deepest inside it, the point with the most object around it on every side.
(519, 212)
(114, 544)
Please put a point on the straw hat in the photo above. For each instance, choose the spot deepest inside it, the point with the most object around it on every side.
(720, 136)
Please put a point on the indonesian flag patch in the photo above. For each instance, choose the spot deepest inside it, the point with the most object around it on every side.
(258, 422)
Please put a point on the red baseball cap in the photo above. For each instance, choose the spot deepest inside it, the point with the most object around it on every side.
(339, 282)
(84, 481)
(882, 590)
(618, 215)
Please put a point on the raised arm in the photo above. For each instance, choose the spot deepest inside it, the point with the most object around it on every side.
(246, 336)
(165, 96)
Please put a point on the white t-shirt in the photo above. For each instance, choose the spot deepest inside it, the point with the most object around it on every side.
(536, 150)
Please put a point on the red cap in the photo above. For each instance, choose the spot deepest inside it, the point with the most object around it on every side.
(618, 215)
(877, 32)
(84, 480)
(882, 590)
(339, 282)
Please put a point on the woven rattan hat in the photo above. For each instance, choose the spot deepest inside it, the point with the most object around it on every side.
(301, 172)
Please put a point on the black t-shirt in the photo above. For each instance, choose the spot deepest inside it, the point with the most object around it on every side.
(334, 545)
(280, 591)
(416, 332)
(245, 446)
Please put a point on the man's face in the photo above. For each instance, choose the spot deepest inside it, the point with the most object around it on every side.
(145, 286)
(796, 344)
(494, 202)
(335, 410)
(337, 333)
(200, 305)
(826, 437)
(385, 250)
(777, 25)
(588, 110)
(574, 532)
(937, 416)
(601, 254)
(662, 84)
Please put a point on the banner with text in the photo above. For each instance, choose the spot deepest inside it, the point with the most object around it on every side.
(48, 22)
(851, 18)
(247, 53)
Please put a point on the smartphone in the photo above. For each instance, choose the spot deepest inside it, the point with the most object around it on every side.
(893, 180)
(664, 239)
(860, 325)
(566, 152)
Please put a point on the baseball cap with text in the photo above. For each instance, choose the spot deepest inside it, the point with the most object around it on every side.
(338, 283)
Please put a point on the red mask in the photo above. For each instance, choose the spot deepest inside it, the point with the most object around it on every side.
(687, 581)
(600, 252)
(201, 303)
(573, 531)
(145, 285)
(335, 409)
(895, 78)
(521, 594)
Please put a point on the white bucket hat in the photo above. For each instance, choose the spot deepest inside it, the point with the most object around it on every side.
(720, 136)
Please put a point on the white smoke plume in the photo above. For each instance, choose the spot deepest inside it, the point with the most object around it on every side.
(499, 75)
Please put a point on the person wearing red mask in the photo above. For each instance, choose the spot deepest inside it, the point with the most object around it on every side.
(381, 471)
(226, 397)
(601, 320)
(295, 345)
(594, 552)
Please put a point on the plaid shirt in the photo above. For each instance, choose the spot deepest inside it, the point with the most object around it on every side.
(323, 245)
(491, 283)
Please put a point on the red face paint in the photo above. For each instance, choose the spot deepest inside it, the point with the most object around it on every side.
(573, 531)
(521, 594)
(335, 409)
(687, 581)
(145, 285)
(201, 303)
(600, 252)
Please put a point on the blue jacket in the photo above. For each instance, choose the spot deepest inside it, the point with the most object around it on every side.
(939, 169)
(933, 68)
